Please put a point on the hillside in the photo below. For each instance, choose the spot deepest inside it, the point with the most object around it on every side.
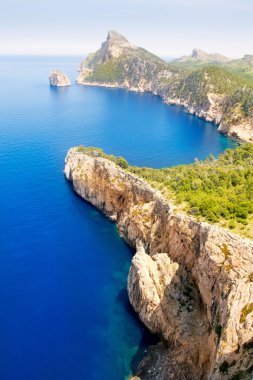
(214, 190)
(117, 61)
(242, 67)
(209, 86)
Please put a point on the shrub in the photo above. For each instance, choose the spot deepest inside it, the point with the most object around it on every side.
(245, 311)
(231, 224)
(122, 162)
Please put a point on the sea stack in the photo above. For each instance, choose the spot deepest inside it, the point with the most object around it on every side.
(58, 79)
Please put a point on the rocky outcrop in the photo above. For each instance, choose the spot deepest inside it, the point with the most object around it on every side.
(58, 79)
(208, 92)
(200, 56)
(115, 46)
(190, 282)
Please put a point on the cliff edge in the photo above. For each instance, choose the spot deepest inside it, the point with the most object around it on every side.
(190, 282)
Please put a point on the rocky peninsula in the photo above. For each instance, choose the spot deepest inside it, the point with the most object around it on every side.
(58, 79)
(207, 85)
(190, 282)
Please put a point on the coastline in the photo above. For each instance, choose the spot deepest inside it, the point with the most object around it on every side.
(170, 248)
(240, 133)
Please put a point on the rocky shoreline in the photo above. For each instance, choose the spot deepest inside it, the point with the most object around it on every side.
(211, 113)
(210, 92)
(190, 282)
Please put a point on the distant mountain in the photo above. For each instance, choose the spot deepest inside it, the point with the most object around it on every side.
(200, 56)
(242, 67)
(208, 85)
(246, 60)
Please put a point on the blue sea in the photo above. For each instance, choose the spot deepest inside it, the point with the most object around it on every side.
(64, 311)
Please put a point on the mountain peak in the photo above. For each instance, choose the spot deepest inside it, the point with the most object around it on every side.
(200, 56)
(114, 36)
(115, 45)
(198, 53)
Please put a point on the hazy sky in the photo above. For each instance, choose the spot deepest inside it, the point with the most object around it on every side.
(166, 27)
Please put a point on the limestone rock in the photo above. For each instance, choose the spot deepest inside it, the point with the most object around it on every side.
(114, 46)
(190, 282)
(58, 79)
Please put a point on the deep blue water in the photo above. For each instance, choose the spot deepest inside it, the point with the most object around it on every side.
(64, 312)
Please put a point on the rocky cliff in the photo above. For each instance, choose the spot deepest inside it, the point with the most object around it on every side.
(212, 93)
(190, 282)
(58, 79)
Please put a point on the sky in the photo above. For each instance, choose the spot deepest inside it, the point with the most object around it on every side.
(165, 27)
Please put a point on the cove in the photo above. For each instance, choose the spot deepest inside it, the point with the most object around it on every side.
(63, 268)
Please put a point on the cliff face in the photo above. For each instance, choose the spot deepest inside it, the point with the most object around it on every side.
(190, 282)
(211, 92)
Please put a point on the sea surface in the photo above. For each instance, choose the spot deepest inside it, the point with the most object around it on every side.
(64, 312)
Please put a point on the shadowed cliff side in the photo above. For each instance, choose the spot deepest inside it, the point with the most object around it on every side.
(190, 282)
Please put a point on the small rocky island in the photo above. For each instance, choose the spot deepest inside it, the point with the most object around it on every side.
(58, 79)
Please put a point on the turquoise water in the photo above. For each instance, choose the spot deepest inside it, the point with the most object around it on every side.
(64, 309)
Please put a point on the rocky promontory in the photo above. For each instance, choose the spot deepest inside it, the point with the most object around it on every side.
(58, 79)
(207, 85)
(190, 282)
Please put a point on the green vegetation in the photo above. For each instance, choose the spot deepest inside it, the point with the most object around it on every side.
(92, 151)
(245, 311)
(107, 72)
(192, 85)
(216, 190)
(195, 86)
(242, 67)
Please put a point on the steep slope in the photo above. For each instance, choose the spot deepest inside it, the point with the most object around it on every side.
(190, 282)
(216, 95)
(119, 61)
(210, 92)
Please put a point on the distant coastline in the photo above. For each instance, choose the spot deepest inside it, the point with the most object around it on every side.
(206, 85)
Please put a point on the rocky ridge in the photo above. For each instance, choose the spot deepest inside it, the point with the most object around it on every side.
(58, 79)
(211, 93)
(201, 56)
(190, 282)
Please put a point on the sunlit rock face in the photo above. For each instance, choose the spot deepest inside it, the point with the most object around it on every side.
(190, 282)
(58, 79)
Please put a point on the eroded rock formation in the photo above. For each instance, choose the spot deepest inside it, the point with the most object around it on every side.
(190, 282)
(58, 79)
